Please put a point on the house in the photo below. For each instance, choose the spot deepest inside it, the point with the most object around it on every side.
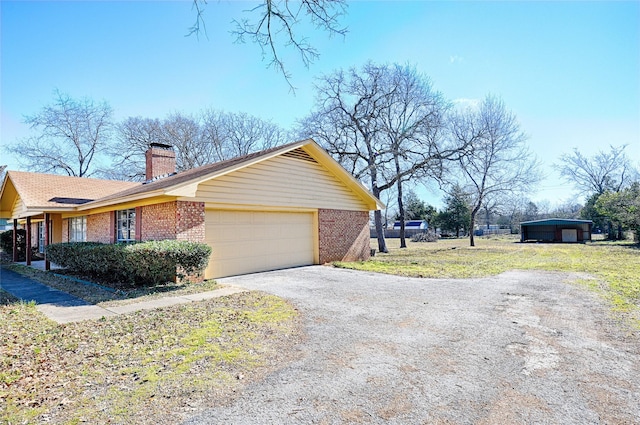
(412, 225)
(287, 206)
(556, 230)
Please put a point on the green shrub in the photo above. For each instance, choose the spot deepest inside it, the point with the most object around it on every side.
(6, 243)
(143, 263)
(92, 258)
(159, 261)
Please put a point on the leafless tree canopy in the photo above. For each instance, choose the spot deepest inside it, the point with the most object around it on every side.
(605, 171)
(70, 133)
(498, 162)
(383, 123)
(274, 23)
(209, 137)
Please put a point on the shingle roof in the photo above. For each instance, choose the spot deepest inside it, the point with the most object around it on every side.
(39, 190)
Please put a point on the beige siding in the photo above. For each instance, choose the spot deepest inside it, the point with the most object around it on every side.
(253, 241)
(18, 208)
(281, 181)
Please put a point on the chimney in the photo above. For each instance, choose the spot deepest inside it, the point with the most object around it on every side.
(161, 161)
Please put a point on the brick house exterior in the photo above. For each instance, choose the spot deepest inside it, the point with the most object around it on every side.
(343, 235)
(172, 205)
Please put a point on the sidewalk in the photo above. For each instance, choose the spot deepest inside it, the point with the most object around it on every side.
(65, 308)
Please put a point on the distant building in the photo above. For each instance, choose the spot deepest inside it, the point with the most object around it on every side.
(556, 230)
(412, 225)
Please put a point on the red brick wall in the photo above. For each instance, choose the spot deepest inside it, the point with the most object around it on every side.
(344, 235)
(99, 227)
(190, 221)
(158, 222)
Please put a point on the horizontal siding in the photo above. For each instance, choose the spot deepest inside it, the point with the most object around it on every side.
(281, 181)
(18, 208)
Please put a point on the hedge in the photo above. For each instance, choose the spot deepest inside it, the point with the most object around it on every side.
(138, 263)
(6, 243)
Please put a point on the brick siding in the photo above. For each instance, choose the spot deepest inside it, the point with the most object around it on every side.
(158, 222)
(344, 235)
(190, 221)
(99, 227)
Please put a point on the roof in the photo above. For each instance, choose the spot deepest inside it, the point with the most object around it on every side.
(53, 192)
(555, 222)
(49, 192)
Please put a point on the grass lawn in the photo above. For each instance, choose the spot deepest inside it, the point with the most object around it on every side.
(614, 265)
(146, 367)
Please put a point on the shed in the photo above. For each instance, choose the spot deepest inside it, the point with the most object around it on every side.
(556, 230)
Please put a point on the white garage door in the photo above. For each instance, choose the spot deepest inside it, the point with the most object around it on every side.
(253, 241)
(569, 235)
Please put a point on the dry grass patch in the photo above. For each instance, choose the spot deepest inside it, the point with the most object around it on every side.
(147, 367)
(614, 265)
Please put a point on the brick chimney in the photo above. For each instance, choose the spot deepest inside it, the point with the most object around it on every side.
(161, 160)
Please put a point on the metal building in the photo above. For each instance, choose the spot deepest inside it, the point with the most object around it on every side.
(556, 230)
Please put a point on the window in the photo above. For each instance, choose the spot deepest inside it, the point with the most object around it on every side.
(78, 229)
(126, 225)
(41, 237)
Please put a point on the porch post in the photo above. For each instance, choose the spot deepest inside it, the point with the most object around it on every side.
(28, 242)
(47, 217)
(15, 240)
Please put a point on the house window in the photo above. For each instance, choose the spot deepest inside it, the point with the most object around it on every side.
(126, 225)
(41, 237)
(78, 229)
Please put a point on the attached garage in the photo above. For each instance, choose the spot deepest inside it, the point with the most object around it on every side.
(254, 241)
(556, 230)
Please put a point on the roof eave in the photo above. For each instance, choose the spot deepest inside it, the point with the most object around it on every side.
(372, 202)
(115, 201)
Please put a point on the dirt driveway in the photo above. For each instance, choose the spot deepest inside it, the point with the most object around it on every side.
(521, 347)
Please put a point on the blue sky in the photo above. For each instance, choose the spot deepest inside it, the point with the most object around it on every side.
(570, 71)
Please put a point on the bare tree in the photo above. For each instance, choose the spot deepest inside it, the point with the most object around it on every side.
(246, 133)
(412, 123)
(499, 162)
(184, 134)
(70, 133)
(205, 138)
(273, 23)
(605, 171)
(237, 134)
(382, 123)
(133, 137)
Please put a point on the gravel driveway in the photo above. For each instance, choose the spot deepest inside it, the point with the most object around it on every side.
(521, 347)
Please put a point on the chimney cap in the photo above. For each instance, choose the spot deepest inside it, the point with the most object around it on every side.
(161, 146)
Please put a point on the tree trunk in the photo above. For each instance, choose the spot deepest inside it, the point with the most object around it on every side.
(403, 241)
(472, 223)
(382, 244)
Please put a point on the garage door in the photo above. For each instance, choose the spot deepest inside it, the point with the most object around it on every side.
(253, 241)
(569, 235)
